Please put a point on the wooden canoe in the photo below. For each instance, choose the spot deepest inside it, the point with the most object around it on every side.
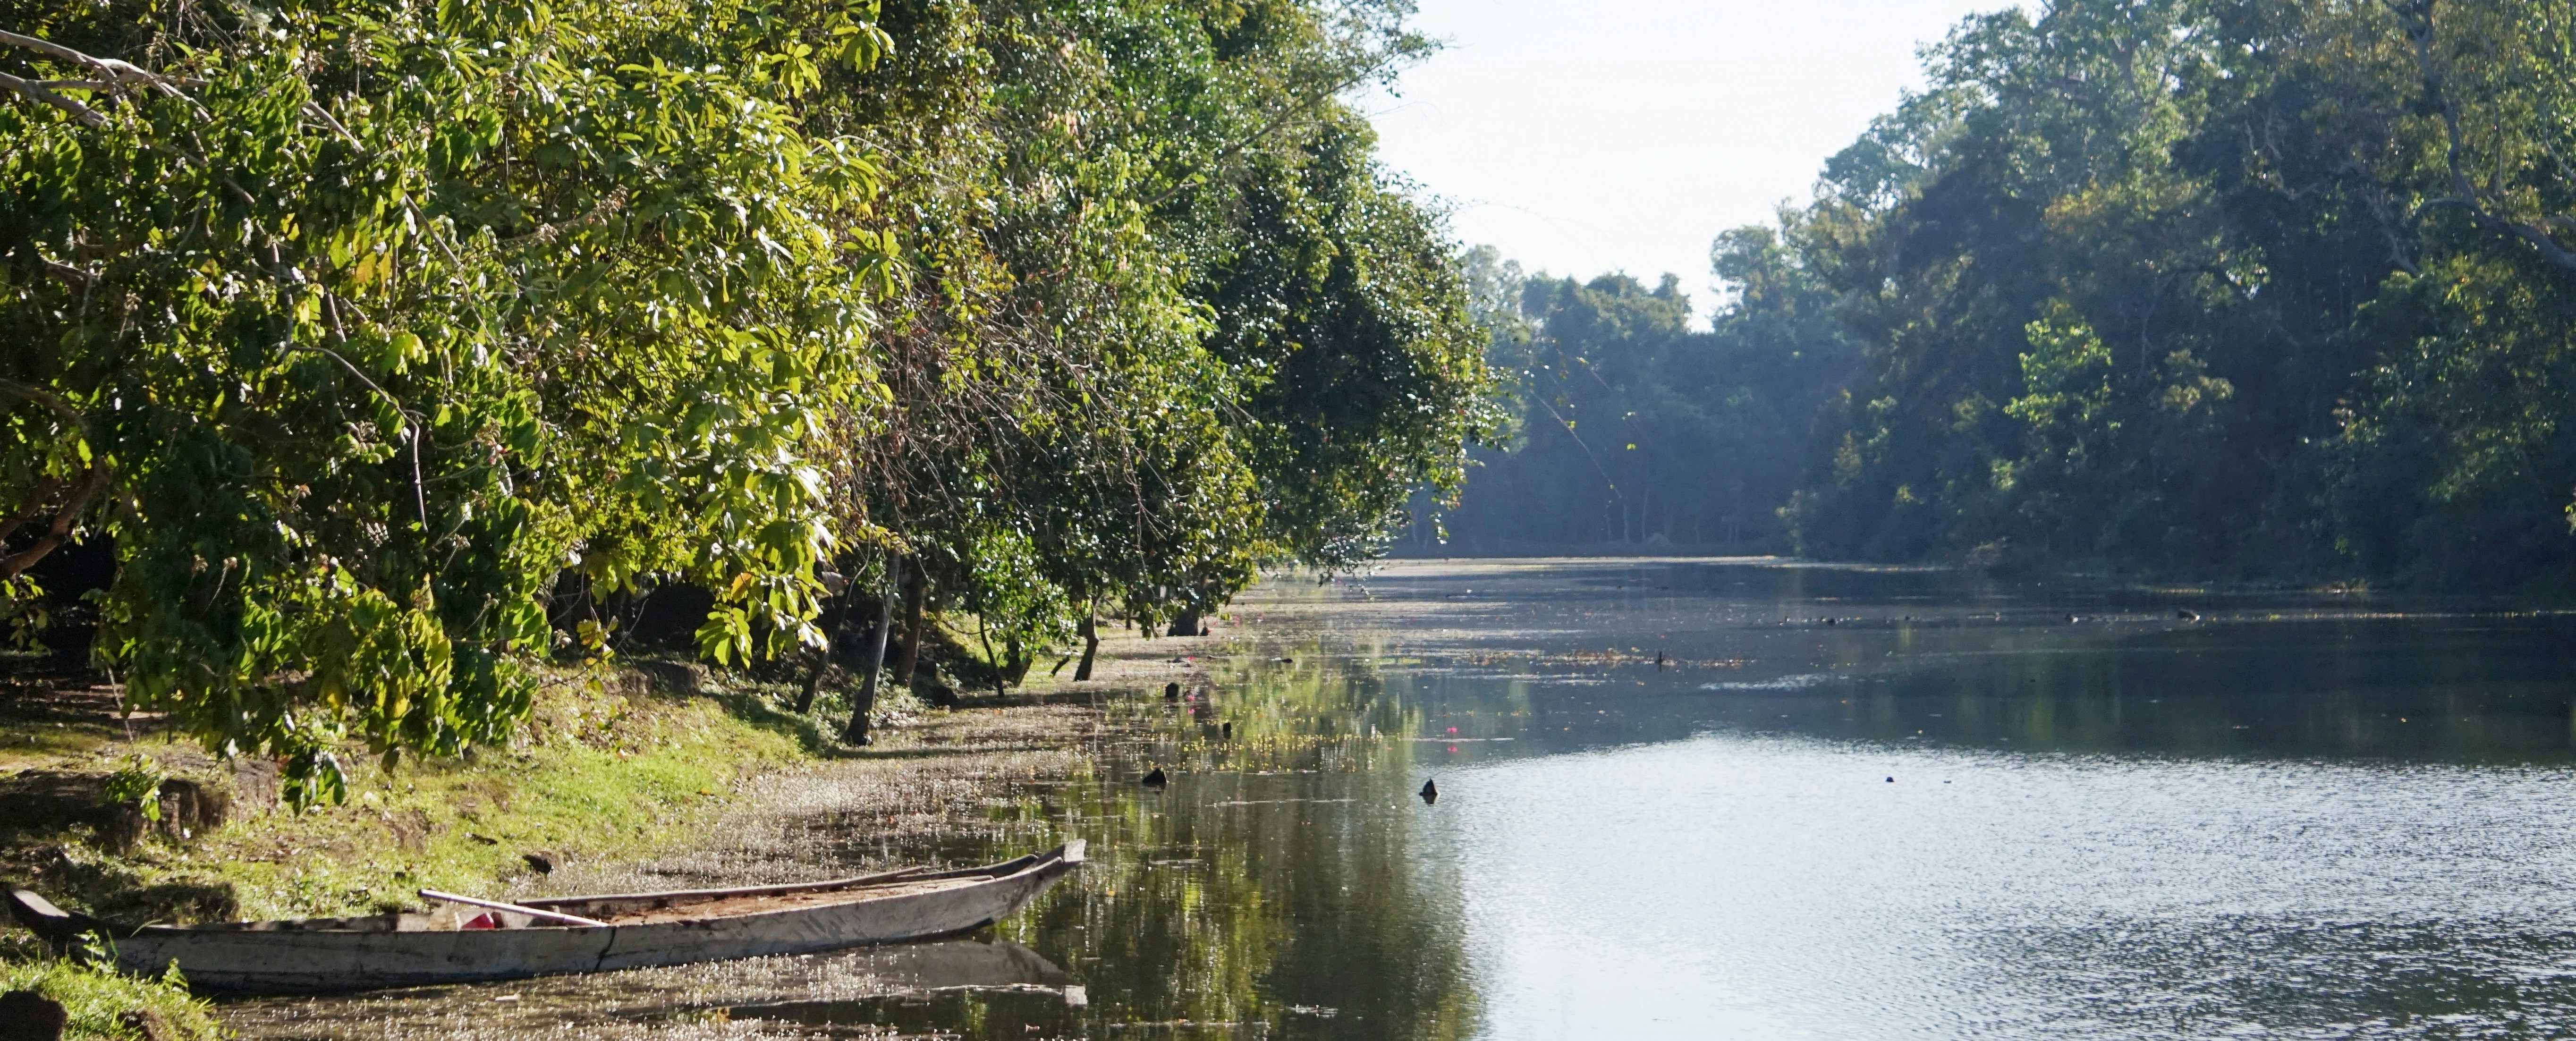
(465, 944)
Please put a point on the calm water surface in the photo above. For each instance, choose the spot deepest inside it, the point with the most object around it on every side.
(1758, 801)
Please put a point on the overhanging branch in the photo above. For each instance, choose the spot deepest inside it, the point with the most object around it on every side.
(88, 116)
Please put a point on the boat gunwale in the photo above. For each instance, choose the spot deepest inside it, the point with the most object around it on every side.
(1003, 869)
(1064, 856)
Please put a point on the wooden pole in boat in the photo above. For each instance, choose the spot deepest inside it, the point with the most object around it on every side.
(551, 916)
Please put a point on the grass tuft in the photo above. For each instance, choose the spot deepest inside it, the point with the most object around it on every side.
(99, 1001)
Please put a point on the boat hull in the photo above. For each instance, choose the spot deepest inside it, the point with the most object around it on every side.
(280, 962)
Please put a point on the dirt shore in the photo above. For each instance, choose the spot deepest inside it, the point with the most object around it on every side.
(926, 784)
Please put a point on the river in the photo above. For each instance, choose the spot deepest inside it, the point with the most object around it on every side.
(1697, 799)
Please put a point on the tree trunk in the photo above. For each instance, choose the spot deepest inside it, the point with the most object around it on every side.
(1001, 674)
(1090, 647)
(916, 589)
(1019, 660)
(813, 682)
(857, 732)
(836, 620)
(1187, 624)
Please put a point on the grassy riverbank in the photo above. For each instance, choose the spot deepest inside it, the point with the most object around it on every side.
(617, 771)
(613, 764)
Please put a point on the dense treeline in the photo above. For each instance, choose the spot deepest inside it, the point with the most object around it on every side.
(2270, 290)
(393, 347)
(1636, 431)
(2264, 289)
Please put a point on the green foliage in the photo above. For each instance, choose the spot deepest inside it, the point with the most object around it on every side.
(2265, 291)
(1365, 368)
(2066, 376)
(380, 317)
(1171, 321)
(136, 782)
(98, 999)
(24, 612)
(2259, 291)
(366, 333)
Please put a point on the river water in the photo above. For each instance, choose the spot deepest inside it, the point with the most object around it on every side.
(1697, 799)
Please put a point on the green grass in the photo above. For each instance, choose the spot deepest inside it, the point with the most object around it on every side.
(98, 1000)
(600, 772)
(606, 768)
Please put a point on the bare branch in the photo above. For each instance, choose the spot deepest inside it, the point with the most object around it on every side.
(88, 116)
(314, 109)
(12, 565)
(48, 399)
(35, 505)
(115, 71)
(77, 276)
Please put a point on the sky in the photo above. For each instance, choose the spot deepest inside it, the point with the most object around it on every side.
(1623, 135)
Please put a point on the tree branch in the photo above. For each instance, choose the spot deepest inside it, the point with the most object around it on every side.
(16, 563)
(111, 69)
(91, 482)
(314, 109)
(2415, 19)
(88, 116)
(44, 490)
(411, 420)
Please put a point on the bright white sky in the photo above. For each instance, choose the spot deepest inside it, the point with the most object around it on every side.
(1607, 135)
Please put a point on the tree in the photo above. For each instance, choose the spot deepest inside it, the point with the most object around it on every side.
(349, 327)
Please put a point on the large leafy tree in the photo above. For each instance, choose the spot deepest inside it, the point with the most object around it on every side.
(1172, 323)
(351, 327)
(2264, 290)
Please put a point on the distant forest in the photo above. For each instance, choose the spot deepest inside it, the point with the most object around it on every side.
(2277, 290)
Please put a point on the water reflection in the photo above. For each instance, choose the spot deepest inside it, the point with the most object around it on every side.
(1860, 805)
(1273, 890)
(1938, 658)
(1986, 894)
(641, 999)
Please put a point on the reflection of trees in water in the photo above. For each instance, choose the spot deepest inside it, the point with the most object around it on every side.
(1272, 891)
(2492, 691)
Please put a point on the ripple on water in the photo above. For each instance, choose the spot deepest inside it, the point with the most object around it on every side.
(1798, 681)
(1780, 886)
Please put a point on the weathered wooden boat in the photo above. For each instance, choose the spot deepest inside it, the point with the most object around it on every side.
(463, 942)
